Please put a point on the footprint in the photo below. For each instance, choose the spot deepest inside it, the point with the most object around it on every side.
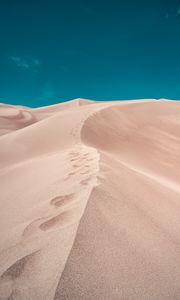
(69, 176)
(76, 166)
(74, 154)
(62, 200)
(90, 159)
(72, 173)
(85, 181)
(86, 172)
(73, 159)
(65, 218)
(32, 227)
(17, 268)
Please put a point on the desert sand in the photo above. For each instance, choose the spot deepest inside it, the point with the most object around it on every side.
(90, 201)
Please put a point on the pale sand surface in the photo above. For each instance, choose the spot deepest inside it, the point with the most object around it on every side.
(90, 201)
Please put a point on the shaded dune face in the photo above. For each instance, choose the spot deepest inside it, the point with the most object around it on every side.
(113, 127)
(12, 118)
(143, 135)
(104, 128)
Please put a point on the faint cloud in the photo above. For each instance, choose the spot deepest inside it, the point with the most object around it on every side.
(48, 91)
(20, 62)
(25, 62)
(36, 62)
(178, 12)
(172, 14)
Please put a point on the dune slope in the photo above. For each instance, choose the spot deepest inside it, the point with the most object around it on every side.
(90, 200)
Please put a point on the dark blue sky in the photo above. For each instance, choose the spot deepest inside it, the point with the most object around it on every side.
(53, 51)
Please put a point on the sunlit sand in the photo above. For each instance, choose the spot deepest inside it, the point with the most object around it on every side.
(90, 201)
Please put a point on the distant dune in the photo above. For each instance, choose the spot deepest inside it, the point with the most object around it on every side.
(90, 201)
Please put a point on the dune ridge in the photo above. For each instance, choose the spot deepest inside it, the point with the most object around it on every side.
(90, 200)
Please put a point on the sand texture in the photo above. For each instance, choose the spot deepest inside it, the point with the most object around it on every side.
(90, 201)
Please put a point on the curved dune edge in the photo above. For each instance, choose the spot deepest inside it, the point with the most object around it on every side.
(120, 159)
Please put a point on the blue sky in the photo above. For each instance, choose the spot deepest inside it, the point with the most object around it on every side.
(53, 51)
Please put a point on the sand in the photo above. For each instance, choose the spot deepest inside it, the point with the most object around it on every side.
(90, 201)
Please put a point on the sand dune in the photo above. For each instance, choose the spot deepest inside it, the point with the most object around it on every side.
(90, 201)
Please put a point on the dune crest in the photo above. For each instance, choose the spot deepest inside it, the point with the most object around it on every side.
(90, 200)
